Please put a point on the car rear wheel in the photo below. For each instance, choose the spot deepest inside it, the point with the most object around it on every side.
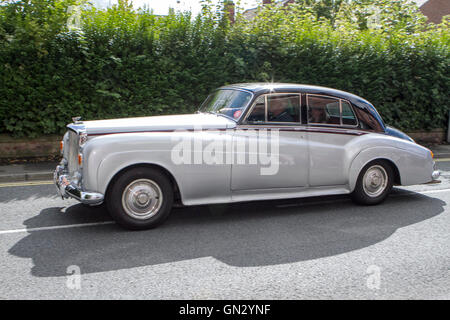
(140, 198)
(374, 183)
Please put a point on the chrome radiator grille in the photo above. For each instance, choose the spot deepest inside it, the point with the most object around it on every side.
(72, 153)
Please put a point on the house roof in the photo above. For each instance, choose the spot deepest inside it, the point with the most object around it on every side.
(434, 10)
(251, 13)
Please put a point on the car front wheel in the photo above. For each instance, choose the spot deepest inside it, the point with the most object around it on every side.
(374, 183)
(140, 198)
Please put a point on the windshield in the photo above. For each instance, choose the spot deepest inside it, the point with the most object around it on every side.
(228, 102)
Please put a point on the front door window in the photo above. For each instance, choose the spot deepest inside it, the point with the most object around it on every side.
(283, 108)
(276, 108)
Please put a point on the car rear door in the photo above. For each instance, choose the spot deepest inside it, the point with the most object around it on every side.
(332, 125)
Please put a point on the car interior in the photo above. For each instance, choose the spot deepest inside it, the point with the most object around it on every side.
(282, 104)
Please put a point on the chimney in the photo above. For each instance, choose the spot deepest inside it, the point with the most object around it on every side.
(266, 2)
(229, 8)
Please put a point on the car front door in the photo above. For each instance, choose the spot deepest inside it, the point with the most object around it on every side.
(270, 146)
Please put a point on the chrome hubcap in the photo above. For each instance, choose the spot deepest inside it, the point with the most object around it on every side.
(142, 199)
(375, 181)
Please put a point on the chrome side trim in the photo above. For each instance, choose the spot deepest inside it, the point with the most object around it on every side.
(304, 128)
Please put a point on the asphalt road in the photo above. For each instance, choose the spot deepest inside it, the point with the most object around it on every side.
(292, 249)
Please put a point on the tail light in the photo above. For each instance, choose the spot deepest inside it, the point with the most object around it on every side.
(61, 146)
(80, 159)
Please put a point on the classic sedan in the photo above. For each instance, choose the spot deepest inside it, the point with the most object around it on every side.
(252, 141)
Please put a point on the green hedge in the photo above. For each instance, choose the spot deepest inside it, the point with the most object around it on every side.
(132, 63)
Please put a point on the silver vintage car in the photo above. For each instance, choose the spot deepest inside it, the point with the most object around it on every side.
(252, 141)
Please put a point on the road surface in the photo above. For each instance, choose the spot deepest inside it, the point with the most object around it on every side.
(326, 248)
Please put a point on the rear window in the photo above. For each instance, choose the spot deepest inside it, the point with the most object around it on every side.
(348, 116)
(323, 110)
(330, 111)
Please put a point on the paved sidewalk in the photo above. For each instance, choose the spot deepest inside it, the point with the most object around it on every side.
(441, 151)
(27, 172)
(44, 170)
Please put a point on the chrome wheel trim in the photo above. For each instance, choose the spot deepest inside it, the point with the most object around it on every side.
(142, 199)
(375, 181)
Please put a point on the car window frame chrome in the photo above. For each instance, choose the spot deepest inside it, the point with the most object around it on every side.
(353, 111)
(266, 120)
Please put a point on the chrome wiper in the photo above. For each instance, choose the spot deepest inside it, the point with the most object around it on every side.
(224, 115)
(212, 112)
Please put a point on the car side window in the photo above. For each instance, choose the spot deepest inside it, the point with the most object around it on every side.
(283, 108)
(348, 116)
(280, 108)
(258, 113)
(323, 110)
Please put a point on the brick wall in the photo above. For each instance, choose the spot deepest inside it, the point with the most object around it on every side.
(24, 148)
(49, 146)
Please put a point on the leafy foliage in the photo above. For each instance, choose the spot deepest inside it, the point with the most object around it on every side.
(124, 62)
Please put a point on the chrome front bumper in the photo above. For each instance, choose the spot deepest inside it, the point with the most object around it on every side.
(435, 174)
(66, 189)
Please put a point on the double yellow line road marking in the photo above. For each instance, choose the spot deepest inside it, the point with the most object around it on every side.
(442, 160)
(25, 183)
